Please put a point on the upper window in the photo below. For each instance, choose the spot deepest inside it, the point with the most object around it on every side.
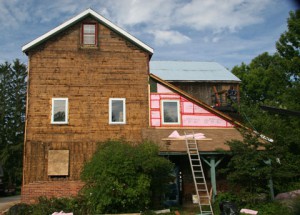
(59, 111)
(170, 112)
(117, 111)
(89, 34)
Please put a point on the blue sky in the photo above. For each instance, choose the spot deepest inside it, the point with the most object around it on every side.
(226, 31)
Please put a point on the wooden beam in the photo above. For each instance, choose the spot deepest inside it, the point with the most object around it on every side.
(212, 163)
(217, 95)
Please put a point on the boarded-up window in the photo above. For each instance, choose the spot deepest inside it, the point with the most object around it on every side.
(58, 162)
(170, 112)
(89, 34)
(59, 113)
(117, 111)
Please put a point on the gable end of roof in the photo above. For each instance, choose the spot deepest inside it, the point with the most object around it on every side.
(78, 18)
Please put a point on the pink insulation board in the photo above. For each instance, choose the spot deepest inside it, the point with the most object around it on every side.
(191, 115)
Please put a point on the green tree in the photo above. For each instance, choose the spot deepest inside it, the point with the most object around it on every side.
(288, 46)
(122, 178)
(273, 80)
(12, 118)
(247, 172)
(264, 80)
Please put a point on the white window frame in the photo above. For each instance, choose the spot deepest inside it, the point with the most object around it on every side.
(66, 111)
(110, 110)
(178, 112)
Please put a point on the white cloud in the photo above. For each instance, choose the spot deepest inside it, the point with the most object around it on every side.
(13, 13)
(215, 15)
(168, 18)
(220, 15)
(46, 13)
(162, 37)
(200, 29)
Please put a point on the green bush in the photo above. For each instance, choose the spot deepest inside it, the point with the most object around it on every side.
(21, 208)
(122, 178)
(247, 171)
(296, 206)
(224, 197)
(263, 207)
(77, 205)
(270, 208)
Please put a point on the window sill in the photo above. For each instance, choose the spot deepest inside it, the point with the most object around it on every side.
(59, 123)
(117, 123)
(170, 124)
(88, 47)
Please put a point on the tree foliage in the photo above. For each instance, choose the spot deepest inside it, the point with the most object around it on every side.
(248, 172)
(273, 80)
(12, 118)
(288, 45)
(122, 178)
(264, 80)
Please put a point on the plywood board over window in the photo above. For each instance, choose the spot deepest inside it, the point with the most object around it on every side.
(58, 162)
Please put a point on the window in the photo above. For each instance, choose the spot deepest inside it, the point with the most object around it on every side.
(117, 111)
(170, 112)
(59, 111)
(89, 34)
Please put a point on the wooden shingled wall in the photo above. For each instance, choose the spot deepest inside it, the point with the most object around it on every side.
(61, 68)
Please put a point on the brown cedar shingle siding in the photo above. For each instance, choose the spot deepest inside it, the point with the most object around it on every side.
(60, 67)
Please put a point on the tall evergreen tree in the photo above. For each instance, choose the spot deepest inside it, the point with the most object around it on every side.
(12, 118)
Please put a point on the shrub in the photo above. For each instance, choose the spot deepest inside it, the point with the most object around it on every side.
(225, 197)
(77, 205)
(296, 206)
(45, 205)
(270, 208)
(122, 178)
(247, 170)
(21, 208)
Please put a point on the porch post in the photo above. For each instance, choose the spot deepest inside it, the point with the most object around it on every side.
(269, 162)
(213, 165)
(213, 176)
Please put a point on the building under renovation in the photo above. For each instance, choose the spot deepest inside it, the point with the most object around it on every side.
(90, 81)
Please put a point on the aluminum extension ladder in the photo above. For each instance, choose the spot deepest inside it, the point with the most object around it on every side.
(198, 176)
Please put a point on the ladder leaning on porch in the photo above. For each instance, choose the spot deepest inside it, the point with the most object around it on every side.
(198, 175)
